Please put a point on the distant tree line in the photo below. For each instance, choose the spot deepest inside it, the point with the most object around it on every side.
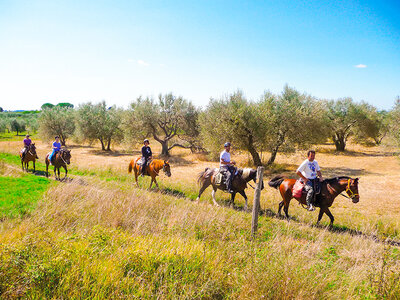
(271, 124)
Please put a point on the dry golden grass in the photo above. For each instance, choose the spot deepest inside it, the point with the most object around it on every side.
(122, 228)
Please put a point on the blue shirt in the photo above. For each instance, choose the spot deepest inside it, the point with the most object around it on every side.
(57, 146)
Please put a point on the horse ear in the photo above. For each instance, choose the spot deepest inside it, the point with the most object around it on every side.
(166, 161)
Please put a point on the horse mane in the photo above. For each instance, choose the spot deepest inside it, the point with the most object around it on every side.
(334, 179)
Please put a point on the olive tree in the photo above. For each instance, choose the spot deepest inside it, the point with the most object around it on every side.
(57, 121)
(169, 119)
(292, 120)
(99, 122)
(371, 124)
(234, 119)
(17, 125)
(394, 121)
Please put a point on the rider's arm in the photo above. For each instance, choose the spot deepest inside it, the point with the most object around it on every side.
(320, 175)
(302, 176)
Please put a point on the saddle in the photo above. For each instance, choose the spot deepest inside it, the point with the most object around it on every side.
(140, 162)
(298, 189)
(220, 177)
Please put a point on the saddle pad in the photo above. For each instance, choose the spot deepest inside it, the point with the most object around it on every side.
(297, 189)
(218, 178)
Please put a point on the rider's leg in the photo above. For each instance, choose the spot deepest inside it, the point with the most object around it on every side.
(310, 193)
(229, 181)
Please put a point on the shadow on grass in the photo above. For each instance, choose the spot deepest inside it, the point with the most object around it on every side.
(340, 229)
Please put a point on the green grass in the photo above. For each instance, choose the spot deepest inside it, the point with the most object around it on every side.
(12, 136)
(19, 195)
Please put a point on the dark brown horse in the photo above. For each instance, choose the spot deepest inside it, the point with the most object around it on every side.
(152, 169)
(330, 189)
(30, 155)
(239, 183)
(61, 159)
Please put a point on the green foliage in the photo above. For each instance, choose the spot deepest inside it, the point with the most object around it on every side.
(47, 106)
(1, 109)
(17, 125)
(96, 121)
(394, 121)
(57, 121)
(65, 104)
(19, 195)
(169, 118)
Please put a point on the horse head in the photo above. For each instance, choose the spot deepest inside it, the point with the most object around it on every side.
(251, 174)
(166, 168)
(32, 149)
(66, 156)
(352, 190)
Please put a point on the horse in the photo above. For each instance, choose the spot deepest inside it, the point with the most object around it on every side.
(61, 159)
(330, 189)
(152, 169)
(239, 183)
(30, 155)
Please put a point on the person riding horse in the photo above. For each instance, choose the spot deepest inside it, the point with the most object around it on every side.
(27, 143)
(227, 166)
(56, 148)
(308, 171)
(146, 156)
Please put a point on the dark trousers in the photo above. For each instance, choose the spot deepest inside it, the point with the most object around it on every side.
(144, 165)
(229, 171)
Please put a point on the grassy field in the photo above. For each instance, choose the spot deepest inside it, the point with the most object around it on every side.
(99, 236)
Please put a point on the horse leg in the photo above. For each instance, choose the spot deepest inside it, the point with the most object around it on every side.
(22, 164)
(245, 199)
(47, 169)
(280, 208)
(233, 195)
(34, 166)
(320, 214)
(213, 196)
(66, 171)
(328, 212)
(55, 173)
(136, 175)
(202, 188)
(155, 180)
(151, 182)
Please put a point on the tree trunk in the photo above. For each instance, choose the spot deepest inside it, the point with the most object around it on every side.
(62, 140)
(273, 156)
(253, 152)
(164, 150)
(108, 144)
(102, 144)
(340, 142)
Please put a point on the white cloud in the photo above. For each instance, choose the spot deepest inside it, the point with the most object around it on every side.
(142, 63)
(360, 66)
(130, 60)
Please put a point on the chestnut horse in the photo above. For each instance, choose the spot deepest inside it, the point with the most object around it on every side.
(61, 159)
(330, 189)
(152, 169)
(239, 183)
(30, 155)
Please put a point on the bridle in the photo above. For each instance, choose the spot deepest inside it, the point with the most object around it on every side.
(61, 155)
(349, 191)
(164, 168)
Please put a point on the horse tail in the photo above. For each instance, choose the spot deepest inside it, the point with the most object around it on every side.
(203, 175)
(276, 181)
(130, 168)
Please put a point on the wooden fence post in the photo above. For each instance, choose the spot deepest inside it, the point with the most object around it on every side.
(256, 203)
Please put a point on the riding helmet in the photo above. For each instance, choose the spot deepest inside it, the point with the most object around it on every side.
(146, 140)
(227, 144)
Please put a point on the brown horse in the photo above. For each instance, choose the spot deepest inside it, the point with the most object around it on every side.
(330, 189)
(239, 183)
(152, 169)
(61, 159)
(30, 155)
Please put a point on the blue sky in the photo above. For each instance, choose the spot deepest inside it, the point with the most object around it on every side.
(79, 51)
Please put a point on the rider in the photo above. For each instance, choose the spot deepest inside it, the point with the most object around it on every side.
(146, 156)
(308, 171)
(27, 143)
(227, 165)
(56, 148)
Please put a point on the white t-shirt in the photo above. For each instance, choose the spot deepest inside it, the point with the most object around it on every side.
(225, 156)
(309, 169)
